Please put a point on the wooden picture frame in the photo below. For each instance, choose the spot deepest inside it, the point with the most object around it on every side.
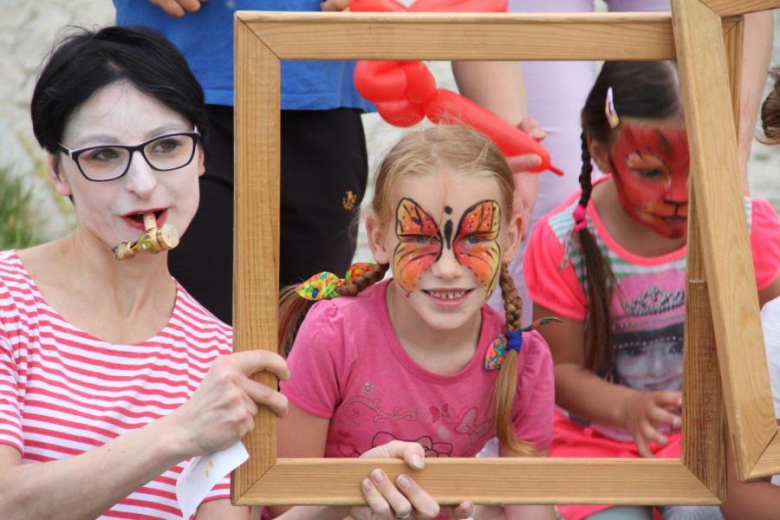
(705, 37)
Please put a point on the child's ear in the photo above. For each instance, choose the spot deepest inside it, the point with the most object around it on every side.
(377, 241)
(514, 234)
(599, 152)
(59, 180)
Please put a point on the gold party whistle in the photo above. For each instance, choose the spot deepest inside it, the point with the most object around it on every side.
(155, 240)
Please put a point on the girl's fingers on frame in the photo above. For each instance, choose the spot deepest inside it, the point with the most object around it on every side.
(378, 508)
(399, 504)
(462, 511)
(424, 505)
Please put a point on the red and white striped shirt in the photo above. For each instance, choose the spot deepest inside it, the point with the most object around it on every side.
(64, 392)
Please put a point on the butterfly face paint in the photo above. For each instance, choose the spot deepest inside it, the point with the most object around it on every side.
(421, 242)
(651, 167)
(476, 245)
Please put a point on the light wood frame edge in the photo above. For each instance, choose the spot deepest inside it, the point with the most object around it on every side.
(257, 150)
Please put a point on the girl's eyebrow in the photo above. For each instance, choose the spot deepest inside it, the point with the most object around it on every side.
(664, 141)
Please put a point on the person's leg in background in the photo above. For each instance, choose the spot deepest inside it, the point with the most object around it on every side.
(203, 261)
(324, 177)
(556, 92)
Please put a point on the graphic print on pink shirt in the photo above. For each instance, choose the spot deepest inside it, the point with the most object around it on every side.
(647, 331)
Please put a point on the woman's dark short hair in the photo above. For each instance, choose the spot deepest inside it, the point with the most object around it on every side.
(85, 61)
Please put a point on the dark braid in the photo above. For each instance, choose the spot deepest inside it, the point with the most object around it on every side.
(599, 278)
(506, 387)
(293, 308)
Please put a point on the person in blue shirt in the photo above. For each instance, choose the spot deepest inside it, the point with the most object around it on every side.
(324, 158)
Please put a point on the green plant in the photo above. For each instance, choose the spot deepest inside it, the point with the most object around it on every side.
(17, 217)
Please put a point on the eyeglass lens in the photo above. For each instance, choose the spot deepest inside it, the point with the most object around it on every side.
(168, 152)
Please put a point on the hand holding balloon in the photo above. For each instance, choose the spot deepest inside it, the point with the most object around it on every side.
(405, 92)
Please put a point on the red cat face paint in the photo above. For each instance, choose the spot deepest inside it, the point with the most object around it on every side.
(651, 166)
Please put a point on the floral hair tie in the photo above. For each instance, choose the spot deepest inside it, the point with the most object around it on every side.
(324, 285)
(512, 340)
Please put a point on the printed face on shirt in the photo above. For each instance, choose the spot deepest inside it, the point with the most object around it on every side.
(650, 170)
(446, 245)
(652, 360)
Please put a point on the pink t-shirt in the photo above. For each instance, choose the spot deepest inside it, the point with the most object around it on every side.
(648, 302)
(347, 365)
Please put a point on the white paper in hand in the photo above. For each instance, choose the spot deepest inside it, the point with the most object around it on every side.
(201, 474)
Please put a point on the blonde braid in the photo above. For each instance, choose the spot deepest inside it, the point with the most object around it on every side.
(363, 281)
(506, 387)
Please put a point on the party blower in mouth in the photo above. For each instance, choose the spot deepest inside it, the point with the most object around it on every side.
(155, 240)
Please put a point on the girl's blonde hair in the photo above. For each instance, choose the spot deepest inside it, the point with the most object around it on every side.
(425, 152)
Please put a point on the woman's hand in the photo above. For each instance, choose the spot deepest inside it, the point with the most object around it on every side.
(646, 412)
(404, 498)
(222, 409)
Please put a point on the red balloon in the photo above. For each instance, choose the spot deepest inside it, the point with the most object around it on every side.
(420, 83)
(459, 6)
(401, 112)
(373, 6)
(449, 108)
(380, 80)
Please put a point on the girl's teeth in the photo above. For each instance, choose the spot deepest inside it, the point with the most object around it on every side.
(448, 295)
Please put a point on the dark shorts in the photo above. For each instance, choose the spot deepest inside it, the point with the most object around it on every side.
(324, 176)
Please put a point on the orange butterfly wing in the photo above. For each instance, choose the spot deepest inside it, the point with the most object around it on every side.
(476, 244)
(419, 243)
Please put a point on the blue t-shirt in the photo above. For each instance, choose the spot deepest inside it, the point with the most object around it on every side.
(206, 40)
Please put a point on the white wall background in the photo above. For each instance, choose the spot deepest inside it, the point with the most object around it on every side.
(28, 28)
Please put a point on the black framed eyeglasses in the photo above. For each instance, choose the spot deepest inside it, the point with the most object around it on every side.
(109, 162)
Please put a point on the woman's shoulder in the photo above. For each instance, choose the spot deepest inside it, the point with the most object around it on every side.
(197, 317)
(13, 275)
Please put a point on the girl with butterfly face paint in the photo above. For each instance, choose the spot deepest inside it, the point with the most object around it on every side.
(611, 261)
(421, 357)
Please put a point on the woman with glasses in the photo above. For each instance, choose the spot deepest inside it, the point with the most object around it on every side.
(111, 375)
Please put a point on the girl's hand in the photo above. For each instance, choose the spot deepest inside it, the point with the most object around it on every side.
(648, 410)
(404, 499)
(222, 409)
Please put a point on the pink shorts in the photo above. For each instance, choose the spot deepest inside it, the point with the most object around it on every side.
(574, 440)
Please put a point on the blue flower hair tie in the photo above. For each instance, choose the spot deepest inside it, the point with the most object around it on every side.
(512, 340)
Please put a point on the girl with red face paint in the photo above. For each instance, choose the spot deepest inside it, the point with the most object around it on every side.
(611, 262)
(422, 357)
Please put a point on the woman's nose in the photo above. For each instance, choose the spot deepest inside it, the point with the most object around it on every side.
(141, 178)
